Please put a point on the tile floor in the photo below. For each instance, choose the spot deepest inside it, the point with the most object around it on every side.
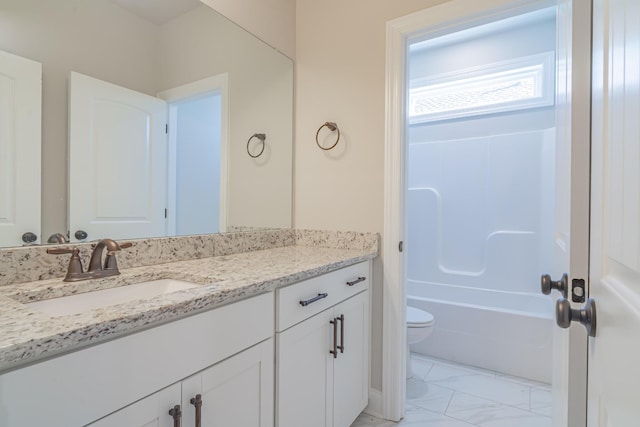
(446, 394)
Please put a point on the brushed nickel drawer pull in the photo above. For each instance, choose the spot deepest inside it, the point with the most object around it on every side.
(314, 299)
(176, 413)
(197, 402)
(358, 280)
(334, 322)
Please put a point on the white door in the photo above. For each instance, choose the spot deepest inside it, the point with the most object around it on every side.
(237, 392)
(571, 225)
(350, 370)
(304, 390)
(152, 411)
(117, 161)
(20, 114)
(614, 354)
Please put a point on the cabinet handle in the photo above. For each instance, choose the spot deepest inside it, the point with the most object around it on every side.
(358, 280)
(197, 402)
(341, 346)
(314, 299)
(334, 322)
(176, 413)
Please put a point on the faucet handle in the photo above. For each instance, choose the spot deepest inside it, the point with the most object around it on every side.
(74, 271)
(60, 251)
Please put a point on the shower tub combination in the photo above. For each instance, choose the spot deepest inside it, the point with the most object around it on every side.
(479, 234)
(505, 332)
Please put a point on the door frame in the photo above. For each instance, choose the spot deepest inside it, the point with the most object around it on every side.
(433, 21)
(218, 84)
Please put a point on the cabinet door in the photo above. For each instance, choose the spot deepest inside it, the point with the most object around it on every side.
(152, 411)
(305, 373)
(351, 368)
(237, 392)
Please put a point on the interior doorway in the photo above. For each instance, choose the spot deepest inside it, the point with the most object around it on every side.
(197, 157)
(483, 95)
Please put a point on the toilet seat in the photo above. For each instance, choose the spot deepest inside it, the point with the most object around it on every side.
(417, 318)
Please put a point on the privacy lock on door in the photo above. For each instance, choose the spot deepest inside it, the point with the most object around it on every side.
(564, 313)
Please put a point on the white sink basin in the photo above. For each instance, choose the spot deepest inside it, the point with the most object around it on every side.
(79, 303)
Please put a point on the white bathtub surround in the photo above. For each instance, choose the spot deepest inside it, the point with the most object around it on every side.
(29, 335)
(479, 274)
(453, 395)
(502, 331)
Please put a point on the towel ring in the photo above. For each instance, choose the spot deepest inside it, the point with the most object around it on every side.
(261, 137)
(332, 127)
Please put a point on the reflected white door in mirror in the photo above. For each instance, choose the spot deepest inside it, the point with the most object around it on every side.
(141, 166)
(20, 112)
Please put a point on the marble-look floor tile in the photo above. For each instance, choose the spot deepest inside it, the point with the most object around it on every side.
(541, 402)
(365, 420)
(420, 367)
(420, 417)
(492, 388)
(445, 394)
(435, 398)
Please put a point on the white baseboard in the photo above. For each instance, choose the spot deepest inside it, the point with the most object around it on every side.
(375, 403)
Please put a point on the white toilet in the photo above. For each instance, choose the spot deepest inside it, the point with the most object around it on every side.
(419, 326)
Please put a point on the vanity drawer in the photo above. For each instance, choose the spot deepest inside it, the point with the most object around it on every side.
(302, 300)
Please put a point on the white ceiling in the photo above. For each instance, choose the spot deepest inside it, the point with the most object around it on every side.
(158, 11)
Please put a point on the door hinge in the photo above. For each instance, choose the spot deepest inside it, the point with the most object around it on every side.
(401, 246)
(165, 212)
(166, 128)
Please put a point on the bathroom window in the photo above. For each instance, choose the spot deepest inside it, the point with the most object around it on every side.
(505, 86)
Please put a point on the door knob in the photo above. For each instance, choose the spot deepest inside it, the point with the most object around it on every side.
(29, 237)
(587, 315)
(562, 285)
(81, 234)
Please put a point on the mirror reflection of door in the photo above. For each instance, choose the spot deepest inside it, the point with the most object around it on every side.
(117, 161)
(142, 166)
(20, 111)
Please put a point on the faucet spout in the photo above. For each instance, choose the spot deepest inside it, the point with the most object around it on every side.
(110, 267)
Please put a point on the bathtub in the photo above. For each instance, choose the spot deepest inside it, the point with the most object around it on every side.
(502, 331)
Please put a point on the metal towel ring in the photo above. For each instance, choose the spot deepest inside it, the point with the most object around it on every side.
(332, 127)
(261, 137)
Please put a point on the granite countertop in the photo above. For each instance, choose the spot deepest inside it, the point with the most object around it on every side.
(28, 335)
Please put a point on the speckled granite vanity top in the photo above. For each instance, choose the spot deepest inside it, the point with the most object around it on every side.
(27, 335)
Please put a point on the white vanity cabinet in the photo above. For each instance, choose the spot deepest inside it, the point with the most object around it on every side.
(237, 392)
(322, 374)
(225, 353)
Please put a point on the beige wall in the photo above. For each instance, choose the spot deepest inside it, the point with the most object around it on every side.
(273, 21)
(340, 77)
(261, 101)
(100, 39)
(95, 38)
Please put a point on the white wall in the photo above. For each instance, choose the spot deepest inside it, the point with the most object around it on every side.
(340, 77)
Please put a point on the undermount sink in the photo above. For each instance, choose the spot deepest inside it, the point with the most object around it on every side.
(79, 303)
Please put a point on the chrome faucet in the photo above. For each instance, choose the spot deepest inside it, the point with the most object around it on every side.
(96, 269)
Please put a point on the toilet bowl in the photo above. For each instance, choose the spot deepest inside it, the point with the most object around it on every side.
(419, 326)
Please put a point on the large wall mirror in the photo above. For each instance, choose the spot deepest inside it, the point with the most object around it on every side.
(112, 168)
